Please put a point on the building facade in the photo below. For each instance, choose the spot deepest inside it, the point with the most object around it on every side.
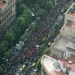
(52, 66)
(7, 14)
(64, 43)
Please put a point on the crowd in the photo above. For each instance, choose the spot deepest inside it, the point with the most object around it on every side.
(29, 50)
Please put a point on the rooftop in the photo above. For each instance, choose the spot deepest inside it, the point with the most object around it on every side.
(71, 45)
(48, 64)
(61, 43)
(66, 62)
(2, 5)
(48, 61)
(71, 10)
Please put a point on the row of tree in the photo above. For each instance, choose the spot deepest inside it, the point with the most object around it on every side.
(20, 26)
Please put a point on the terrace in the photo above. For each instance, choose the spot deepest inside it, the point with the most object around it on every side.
(47, 64)
(63, 45)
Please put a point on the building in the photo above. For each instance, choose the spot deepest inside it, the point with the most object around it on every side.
(51, 66)
(62, 55)
(64, 43)
(7, 14)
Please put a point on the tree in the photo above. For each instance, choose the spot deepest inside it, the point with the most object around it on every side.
(65, 8)
(2, 49)
(22, 38)
(33, 73)
(56, 27)
(1, 69)
(38, 64)
(51, 34)
(48, 5)
(21, 9)
(42, 47)
(28, 2)
(17, 30)
(8, 54)
(21, 23)
(52, 1)
(33, 26)
(9, 37)
(46, 51)
(40, 13)
(27, 15)
(5, 43)
(18, 3)
(45, 40)
(41, 2)
(25, 36)
(37, 19)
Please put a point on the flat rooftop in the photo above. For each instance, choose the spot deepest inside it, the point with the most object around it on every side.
(61, 43)
(2, 5)
(47, 62)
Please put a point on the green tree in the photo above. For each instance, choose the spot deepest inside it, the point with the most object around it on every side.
(22, 38)
(25, 36)
(21, 9)
(18, 3)
(9, 37)
(46, 51)
(41, 2)
(38, 64)
(42, 46)
(33, 26)
(51, 34)
(52, 1)
(40, 13)
(37, 19)
(5, 43)
(2, 49)
(27, 15)
(28, 2)
(17, 30)
(8, 54)
(33, 73)
(65, 8)
(45, 40)
(48, 5)
(1, 69)
(21, 23)
(56, 26)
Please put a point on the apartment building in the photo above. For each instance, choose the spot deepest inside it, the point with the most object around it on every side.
(64, 43)
(52, 66)
(7, 14)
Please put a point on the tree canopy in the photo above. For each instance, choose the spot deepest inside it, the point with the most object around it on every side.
(48, 5)
(40, 13)
(9, 37)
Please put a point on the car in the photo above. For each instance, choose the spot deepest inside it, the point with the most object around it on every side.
(21, 69)
(33, 64)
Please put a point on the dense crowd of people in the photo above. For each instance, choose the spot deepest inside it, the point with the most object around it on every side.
(29, 50)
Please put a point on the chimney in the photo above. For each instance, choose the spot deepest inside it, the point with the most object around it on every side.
(67, 69)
